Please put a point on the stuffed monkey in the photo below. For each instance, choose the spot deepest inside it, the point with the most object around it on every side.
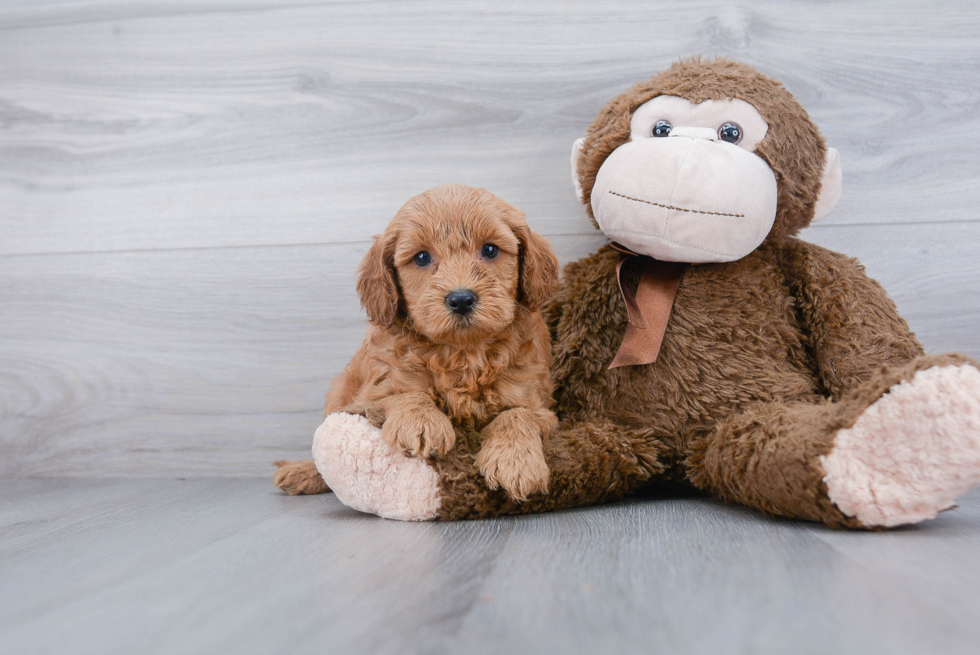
(707, 346)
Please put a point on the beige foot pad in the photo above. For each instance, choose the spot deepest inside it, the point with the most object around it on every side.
(911, 453)
(367, 475)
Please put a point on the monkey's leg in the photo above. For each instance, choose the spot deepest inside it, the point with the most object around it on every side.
(897, 449)
(590, 462)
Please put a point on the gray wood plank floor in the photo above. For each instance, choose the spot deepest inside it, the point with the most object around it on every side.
(233, 566)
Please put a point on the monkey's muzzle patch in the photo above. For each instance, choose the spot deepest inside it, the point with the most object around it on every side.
(685, 199)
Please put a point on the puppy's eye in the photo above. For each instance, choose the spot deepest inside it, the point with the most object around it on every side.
(730, 132)
(490, 251)
(662, 128)
(423, 259)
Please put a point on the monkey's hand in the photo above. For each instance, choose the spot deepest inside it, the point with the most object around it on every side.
(414, 424)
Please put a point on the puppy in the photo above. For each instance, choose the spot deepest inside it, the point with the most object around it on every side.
(452, 290)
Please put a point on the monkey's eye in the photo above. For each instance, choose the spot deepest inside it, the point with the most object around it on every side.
(423, 259)
(490, 251)
(662, 128)
(730, 132)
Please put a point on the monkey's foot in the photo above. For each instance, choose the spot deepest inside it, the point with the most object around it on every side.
(368, 475)
(912, 452)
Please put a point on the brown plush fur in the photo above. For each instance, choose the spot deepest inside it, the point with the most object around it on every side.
(746, 375)
(427, 369)
(763, 361)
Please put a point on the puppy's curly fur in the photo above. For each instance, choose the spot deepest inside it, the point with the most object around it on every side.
(425, 369)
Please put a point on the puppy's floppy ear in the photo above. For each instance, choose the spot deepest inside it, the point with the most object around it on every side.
(538, 267)
(376, 283)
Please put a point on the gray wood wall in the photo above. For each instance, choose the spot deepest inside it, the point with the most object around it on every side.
(186, 188)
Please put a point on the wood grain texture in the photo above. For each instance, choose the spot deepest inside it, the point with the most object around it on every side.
(152, 125)
(186, 188)
(233, 566)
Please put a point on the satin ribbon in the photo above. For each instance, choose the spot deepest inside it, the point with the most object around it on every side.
(648, 310)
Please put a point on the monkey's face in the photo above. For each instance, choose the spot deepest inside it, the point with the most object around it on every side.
(687, 186)
(703, 163)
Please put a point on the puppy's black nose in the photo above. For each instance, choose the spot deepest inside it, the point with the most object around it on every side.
(461, 301)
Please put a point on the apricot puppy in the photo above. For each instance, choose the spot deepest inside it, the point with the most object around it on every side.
(452, 290)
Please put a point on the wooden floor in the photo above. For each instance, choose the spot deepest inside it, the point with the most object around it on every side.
(232, 566)
(186, 189)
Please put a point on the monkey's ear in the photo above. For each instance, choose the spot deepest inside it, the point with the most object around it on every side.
(830, 186)
(376, 283)
(538, 269)
(576, 154)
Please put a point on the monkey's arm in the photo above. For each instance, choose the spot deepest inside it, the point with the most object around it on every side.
(852, 326)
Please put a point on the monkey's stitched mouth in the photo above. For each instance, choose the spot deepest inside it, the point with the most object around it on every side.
(672, 207)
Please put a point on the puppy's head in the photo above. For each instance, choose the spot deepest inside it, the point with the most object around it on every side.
(454, 265)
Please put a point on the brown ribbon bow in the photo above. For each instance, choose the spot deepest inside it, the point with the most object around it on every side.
(648, 309)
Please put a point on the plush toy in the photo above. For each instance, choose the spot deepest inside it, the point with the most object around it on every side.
(707, 345)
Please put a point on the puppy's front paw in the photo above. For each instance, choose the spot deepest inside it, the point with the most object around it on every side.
(512, 455)
(421, 432)
(518, 467)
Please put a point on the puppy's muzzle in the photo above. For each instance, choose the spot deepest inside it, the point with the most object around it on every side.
(461, 301)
